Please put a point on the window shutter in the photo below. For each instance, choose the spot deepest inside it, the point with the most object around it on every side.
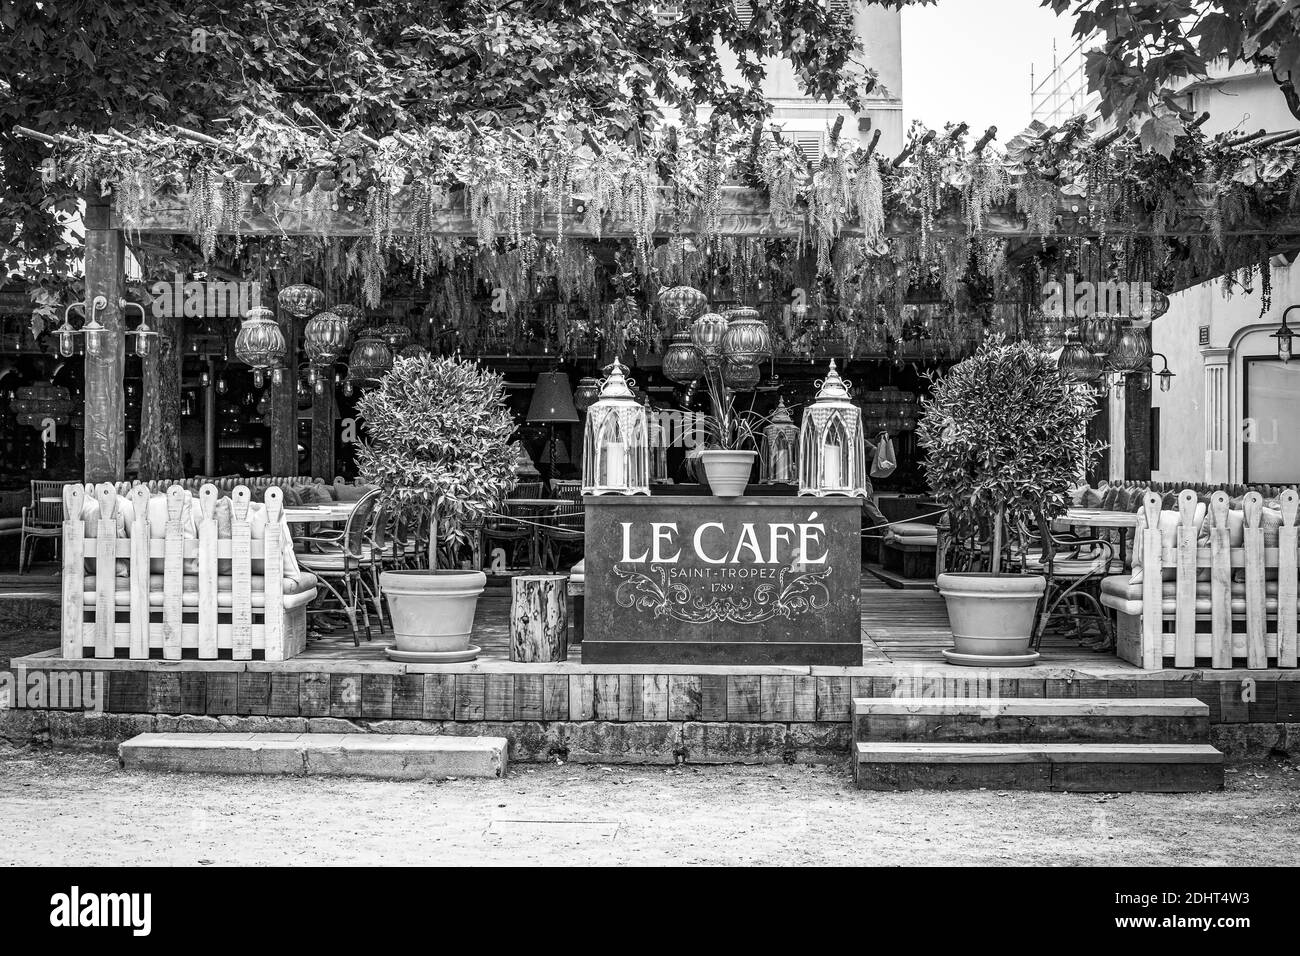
(811, 145)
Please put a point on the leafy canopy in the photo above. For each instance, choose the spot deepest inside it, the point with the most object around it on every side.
(438, 432)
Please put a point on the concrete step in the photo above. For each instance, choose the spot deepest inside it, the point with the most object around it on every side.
(395, 756)
(1090, 767)
(1012, 720)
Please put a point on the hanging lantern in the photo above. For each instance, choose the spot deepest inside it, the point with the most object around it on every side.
(779, 465)
(415, 350)
(681, 304)
(747, 339)
(33, 404)
(353, 314)
(370, 359)
(301, 300)
(260, 343)
(707, 333)
(396, 335)
(586, 393)
(682, 364)
(144, 336)
(1156, 305)
(616, 441)
(1080, 364)
(324, 338)
(739, 376)
(832, 453)
(1099, 333)
(1284, 336)
(1131, 352)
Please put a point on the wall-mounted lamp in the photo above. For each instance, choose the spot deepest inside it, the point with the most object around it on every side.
(92, 331)
(1284, 335)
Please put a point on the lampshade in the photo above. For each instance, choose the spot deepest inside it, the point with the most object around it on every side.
(552, 399)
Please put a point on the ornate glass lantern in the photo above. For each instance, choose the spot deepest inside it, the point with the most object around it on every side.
(301, 300)
(707, 333)
(1079, 363)
(396, 335)
(780, 449)
(588, 391)
(682, 364)
(370, 360)
(747, 339)
(414, 350)
(616, 441)
(1099, 333)
(832, 453)
(741, 376)
(1131, 353)
(681, 304)
(260, 345)
(324, 339)
(1158, 305)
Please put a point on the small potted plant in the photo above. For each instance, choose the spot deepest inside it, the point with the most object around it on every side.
(1005, 436)
(438, 438)
(730, 441)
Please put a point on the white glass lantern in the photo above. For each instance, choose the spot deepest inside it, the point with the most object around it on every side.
(658, 445)
(780, 449)
(832, 454)
(616, 441)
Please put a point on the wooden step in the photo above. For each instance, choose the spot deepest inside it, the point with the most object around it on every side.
(1029, 719)
(1078, 767)
(397, 756)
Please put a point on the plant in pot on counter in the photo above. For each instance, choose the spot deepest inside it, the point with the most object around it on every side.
(437, 442)
(1005, 437)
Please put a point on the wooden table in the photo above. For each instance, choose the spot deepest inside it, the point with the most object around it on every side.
(1122, 521)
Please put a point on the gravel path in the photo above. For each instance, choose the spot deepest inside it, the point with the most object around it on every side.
(81, 809)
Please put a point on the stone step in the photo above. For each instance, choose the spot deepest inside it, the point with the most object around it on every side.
(1088, 767)
(1028, 719)
(394, 756)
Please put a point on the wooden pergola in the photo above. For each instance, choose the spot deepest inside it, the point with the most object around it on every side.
(280, 211)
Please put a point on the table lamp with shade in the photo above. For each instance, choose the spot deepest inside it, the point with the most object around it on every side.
(552, 405)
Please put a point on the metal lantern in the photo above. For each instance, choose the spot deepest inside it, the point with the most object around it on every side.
(682, 303)
(780, 449)
(747, 339)
(1079, 363)
(588, 391)
(354, 314)
(1284, 335)
(832, 452)
(396, 335)
(325, 337)
(1131, 353)
(414, 350)
(1158, 305)
(616, 441)
(682, 364)
(707, 333)
(741, 376)
(370, 360)
(301, 300)
(260, 344)
(659, 439)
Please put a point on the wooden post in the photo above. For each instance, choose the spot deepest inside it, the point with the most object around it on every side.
(323, 413)
(105, 435)
(1137, 429)
(283, 407)
(160, 407)
(539, 618)
(210, 422)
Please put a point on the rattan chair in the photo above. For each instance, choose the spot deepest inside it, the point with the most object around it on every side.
(345, 563)
(1074, 567)
(42, 520)
(560, 530)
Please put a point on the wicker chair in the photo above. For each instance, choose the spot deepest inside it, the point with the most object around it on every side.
(562, 528)
(42, 520)
(1074, 567)
(345, 563)
(516, 528)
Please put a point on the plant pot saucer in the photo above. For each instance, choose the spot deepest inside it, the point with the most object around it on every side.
(990, 660)
(433, 657)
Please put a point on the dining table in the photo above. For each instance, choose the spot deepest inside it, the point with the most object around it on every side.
(1121, 521)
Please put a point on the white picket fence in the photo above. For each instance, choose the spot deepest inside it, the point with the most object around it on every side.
(147, 614)
(1250, 621)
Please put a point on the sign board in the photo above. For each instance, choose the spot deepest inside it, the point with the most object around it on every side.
(700, 580)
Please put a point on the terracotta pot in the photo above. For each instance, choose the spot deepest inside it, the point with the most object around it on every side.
(728, 471)
(432, 610)
(992, 614)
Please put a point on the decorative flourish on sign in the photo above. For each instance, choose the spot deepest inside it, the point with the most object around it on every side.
(793, 593)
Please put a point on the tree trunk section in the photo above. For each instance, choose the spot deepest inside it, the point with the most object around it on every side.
(160, 407)
(104, 443)
(539, 618)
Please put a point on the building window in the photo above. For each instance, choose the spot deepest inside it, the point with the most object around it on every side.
(1271, 393)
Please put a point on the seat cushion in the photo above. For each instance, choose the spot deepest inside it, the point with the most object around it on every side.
(332, 560)
(914, 529)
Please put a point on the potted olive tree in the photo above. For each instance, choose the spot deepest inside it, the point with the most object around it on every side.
(438, 441)
(1005, 436)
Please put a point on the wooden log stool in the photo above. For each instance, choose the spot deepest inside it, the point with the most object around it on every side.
(539, 618)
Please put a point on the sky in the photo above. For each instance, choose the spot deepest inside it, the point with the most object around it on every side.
(970, 60)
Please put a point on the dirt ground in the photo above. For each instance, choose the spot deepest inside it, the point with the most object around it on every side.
(81, 809)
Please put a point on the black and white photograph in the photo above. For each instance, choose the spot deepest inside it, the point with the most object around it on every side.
(620, 433)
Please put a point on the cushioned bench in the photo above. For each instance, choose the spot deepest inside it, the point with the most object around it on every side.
(909, 548)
